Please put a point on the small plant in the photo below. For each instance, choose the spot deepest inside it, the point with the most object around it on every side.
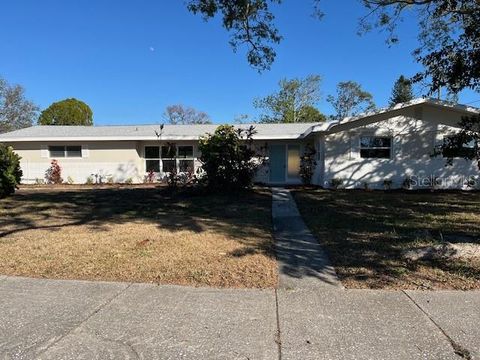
(407, 183)
(110, 180)
(129, 181)
(470, 182)
(387, 184)
(307, 164)
(70, 180)
(53, 175)
(150, 177)
(39, 181)
(335, 183)
(90, 180)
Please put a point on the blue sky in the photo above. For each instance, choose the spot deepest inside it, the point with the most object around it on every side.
(130, 59)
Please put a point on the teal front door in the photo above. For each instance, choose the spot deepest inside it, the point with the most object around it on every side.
(277, 161)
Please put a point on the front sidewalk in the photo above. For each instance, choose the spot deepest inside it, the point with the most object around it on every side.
(58, 319)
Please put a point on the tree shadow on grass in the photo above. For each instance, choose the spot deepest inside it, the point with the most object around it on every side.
(244, 216)
(366, 235)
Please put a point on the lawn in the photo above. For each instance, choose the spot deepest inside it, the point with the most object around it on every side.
(367, 235)
(139, 234)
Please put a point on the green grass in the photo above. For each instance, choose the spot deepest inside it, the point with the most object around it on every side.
(367, 232)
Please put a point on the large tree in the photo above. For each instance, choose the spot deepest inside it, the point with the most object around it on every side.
(250, 22)
(448, 32)
(293, 102)
(16, 111)
(67, 112)
(182, 115)
(402, 91)
(350, 100)
(449, 38)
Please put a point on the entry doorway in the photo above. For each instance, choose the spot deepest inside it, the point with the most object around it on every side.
(284, 163)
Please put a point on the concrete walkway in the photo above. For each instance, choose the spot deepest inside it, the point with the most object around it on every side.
(58, 319)
(302, 262)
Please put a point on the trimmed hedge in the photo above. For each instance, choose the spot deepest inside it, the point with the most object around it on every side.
(10, 172)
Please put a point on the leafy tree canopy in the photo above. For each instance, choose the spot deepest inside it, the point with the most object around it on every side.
(293, 102)
(350, 100)
(181, 115)
(10, 172)
(449, 34)
(229, 158)
(67, 112)
(250, 22)
(402, 91)
(449, 38)
(16, 111)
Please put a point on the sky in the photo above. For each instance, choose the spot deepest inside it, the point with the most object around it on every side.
(130, 59)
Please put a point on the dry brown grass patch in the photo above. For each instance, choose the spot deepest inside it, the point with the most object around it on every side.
(141, 235)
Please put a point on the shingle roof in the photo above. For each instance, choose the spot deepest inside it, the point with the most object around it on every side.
(194, 132)
(147, 132)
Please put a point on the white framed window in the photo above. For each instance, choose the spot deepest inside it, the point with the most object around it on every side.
(454, 147)
(167, 158)
(375, 147)
(65, 151)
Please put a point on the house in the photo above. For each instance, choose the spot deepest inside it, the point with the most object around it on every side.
(389, 146)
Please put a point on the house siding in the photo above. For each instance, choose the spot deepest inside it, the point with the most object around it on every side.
(414, 137)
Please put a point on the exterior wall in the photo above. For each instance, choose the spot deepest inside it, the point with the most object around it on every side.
(120, 160)
(414, 137)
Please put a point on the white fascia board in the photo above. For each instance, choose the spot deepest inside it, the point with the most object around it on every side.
(132, 138)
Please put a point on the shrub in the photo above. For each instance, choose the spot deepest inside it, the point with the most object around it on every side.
(10, 172)
(228, 158)
(53, 175)
(407, 183)
(129, 181)
(89, 181)
(150, 177)
(70, 180)
(387, 184)
(307, 164)
(335, 183)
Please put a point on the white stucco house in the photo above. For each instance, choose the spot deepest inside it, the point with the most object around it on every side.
(389, 145)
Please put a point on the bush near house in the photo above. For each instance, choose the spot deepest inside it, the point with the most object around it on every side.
(307, 165)
(53, 175)
(10, 172)
(229, 158)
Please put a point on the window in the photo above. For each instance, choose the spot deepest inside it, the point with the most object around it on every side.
(185, 151)
(169, 151)
(152, 165)
(70, 151)
(152, 158)
(455, 147)
(73, 151)
(185, 166)
(375, 147)
(152, 152)
(168, 166)
(169, 158)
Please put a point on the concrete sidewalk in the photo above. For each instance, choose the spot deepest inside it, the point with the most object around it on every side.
(57, 319)
(302, 263)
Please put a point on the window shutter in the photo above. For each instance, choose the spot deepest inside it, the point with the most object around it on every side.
(85, 151)
(44, 151)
